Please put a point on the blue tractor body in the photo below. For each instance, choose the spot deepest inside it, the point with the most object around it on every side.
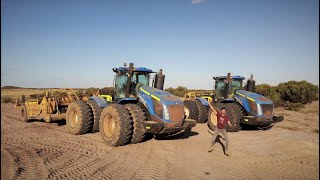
(101, 102)
(164, 112)
(243, 105)
(259, 109)
(248, 99)
(138, 107)
(159, 103)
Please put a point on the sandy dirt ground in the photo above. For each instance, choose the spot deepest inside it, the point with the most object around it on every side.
(39, 150)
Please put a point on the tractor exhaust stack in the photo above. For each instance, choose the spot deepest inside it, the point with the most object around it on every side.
(159, 80)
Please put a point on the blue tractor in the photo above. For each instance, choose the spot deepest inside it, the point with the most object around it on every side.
(243, 105)
(138, 108)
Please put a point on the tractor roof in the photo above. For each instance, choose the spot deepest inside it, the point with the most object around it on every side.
(225, 77)
(139, 69)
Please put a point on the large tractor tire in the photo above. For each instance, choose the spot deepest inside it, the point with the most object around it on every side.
(79, 118)
(96, 111)
(212, 120)
(24, 113)
(191, 110)
(203, 112)
(138, 117)
(235, 113)
(116, 125)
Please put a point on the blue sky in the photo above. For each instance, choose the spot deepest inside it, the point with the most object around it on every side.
(76, 43)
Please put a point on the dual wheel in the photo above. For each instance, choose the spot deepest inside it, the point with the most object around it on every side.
(118, 124)
(122, 124)
(83, 117)
(235, 113)
(195, 110)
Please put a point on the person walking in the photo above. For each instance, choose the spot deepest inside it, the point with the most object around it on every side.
(222, 120)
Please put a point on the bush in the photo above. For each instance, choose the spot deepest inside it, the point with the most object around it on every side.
(275, 97)
(90, 91)
(33, 96)
(179, 91)
(294, 106)
(271, 92)
(292, 92)
(170, 90)
(298, 91)
(263, 89)
(107, 90)
(6, 99)
(79, 93)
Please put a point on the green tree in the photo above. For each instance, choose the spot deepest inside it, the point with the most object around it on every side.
(263, 89)
(179, 91)
(298, 91)
(170, 90)
(90, 91)
(107, 90)
(271, 92)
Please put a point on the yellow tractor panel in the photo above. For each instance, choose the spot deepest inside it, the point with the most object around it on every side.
(108, 98)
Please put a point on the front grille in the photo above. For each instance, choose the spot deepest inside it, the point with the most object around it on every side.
(176, 112)
(267, 109)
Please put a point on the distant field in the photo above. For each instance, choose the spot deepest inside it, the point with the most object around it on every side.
(16, 93)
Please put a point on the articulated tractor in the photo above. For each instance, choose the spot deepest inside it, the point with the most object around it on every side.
(243, 105)
(138, 108)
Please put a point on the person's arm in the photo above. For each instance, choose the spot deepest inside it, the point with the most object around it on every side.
(213, 109)
(230, 124)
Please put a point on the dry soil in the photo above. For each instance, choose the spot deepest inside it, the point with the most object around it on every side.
(39, 150)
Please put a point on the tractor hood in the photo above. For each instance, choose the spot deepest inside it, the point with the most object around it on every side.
(160, 95)
(259, 99)
(162, 106)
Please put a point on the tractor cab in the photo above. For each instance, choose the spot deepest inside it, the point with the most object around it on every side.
(127, 79)
(226, 85)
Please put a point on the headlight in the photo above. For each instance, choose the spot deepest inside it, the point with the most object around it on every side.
(259, 109)
(165, 112)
